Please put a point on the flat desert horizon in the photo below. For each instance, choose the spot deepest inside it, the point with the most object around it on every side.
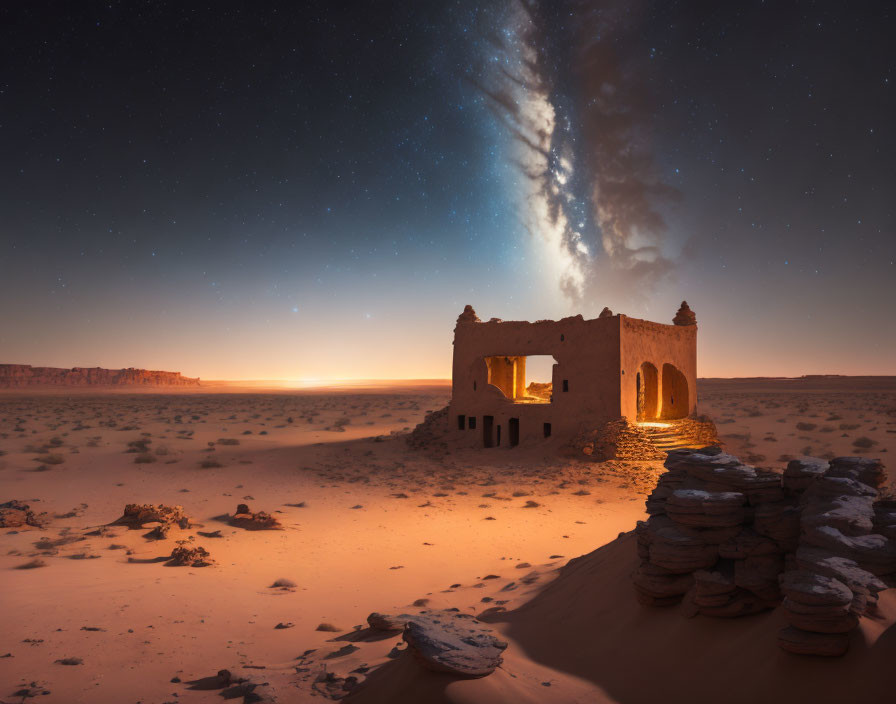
(369, 523)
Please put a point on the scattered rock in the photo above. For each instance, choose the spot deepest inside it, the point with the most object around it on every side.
(452, 642)
(184, 556)
(16, 514)
(385, 622)
(283, 583)
(244, 518)
(136, 516)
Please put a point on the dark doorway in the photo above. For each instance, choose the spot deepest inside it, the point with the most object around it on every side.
(547, 430)
(513, 430)
(461, 422)
(488, 423)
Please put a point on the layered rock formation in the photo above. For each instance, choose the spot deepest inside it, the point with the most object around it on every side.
(14, 376)
(734, 540)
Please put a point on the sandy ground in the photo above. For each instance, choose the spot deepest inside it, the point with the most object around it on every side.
(369, 525)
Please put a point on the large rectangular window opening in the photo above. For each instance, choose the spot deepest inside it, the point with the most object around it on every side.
(523, 379)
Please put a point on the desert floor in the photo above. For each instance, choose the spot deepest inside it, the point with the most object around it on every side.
(373, 525)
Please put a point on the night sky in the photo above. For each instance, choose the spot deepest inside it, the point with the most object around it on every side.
(314, 190)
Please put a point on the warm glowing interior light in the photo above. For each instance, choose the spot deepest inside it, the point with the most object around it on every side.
(655, 424)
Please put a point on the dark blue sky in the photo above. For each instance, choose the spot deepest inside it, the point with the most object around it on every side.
(314, 190)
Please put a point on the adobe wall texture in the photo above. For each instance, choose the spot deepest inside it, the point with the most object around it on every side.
(643, 341)
(595, 375)
(587, 357)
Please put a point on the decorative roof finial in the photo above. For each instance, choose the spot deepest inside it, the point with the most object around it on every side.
(468, 316)
(606, 313)
(684, 316)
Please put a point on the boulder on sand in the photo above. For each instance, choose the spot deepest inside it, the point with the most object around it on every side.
(453, 642)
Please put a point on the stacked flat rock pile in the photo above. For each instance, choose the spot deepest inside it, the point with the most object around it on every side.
(734, 540)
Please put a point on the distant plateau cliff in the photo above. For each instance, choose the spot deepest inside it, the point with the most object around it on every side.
(14, 376)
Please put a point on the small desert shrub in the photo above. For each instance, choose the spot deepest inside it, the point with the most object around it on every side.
(141, 445)
(849, 426)
(806, 426)
(209, 464)
(228, 441)
(50, 459)
(144, 458)
(864, 442)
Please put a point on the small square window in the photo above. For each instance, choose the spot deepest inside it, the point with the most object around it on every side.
(565, 385)
(471, 422)
(461, 421)
(547, 430)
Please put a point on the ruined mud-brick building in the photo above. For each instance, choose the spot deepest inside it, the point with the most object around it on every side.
(610, 368)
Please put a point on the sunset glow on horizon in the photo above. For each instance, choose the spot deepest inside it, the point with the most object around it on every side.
(230, 211)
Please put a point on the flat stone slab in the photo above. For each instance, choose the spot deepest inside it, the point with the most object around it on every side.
(810, 588)
(795, 640)
(452, 642)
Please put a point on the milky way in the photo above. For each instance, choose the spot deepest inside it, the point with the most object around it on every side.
(240, 190)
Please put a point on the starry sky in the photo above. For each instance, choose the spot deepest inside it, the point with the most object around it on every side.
(314, 190)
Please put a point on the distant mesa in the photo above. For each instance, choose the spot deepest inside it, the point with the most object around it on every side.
(14, 376)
